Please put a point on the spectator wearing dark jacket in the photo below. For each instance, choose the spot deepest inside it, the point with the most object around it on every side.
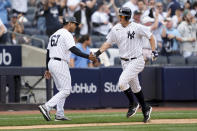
(83, 17)
(52, 13)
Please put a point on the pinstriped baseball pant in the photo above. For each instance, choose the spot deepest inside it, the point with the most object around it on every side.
(129, 76)
(61, 76)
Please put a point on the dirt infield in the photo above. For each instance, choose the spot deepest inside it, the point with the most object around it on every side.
(161, 121)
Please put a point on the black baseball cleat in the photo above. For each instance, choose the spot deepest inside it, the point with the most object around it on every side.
(44, 112)
(132, 110)
(62, 118)
(147, 113)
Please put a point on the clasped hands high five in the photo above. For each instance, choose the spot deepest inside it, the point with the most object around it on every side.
(93, 58)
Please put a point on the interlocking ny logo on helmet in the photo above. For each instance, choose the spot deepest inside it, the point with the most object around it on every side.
(125, 11)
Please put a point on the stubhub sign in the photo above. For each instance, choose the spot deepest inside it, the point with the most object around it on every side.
(95, 88)
(10, 56)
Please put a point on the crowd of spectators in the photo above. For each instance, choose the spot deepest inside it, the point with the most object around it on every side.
(173, 22)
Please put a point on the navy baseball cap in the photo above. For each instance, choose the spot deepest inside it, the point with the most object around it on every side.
(70, 19)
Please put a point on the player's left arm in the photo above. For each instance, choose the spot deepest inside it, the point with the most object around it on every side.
(145, 31)
(152, 44)
(72, 62)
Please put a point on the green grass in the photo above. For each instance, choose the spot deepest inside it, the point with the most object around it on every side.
(19, 120)
(162, 127)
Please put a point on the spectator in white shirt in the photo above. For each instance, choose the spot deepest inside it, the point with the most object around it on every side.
(73, 6)
(3, 31)
(19, 6)
(177, 18)
(132, 5)
(188, 30)
(100, 21)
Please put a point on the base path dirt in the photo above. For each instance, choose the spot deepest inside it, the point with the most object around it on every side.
(159, 121)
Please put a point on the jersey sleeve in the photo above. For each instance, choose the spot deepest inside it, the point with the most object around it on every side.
(111, 37)
(69, 41)
(144, 31)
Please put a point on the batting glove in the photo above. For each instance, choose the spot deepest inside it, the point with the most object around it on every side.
(154, 55)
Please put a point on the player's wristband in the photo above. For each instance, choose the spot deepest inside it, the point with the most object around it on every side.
(98, 53)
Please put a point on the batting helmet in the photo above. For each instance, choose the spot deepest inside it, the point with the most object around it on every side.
(69, 19)
(125, 11)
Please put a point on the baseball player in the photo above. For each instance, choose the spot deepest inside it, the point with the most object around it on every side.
(60, 46)
(127, 35)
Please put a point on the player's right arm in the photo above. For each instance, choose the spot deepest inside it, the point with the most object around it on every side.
(103, 48)
(111, 38)
(72, 62)
(47, 74)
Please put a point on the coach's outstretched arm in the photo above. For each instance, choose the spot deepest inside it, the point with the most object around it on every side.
(152, 44)
(76, 51)
(103, 48)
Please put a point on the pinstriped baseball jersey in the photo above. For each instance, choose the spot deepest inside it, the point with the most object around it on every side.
(60, 43)
(128, 39)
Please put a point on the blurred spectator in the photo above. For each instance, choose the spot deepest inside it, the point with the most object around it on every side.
(188, 30)
(187, 5)
(83, 45)
(63, 9)
(97, 4)
(22, 18)
(83, 17)
(155, 10)
(113, 5)
(171, 38)
(17, 27)
(172, 6)
(100, 21)
(90, 3)
(73, 6)
(32, 2)
(3, 31)
(4, 4)
(52, 12)
(137, 16)
(194, 10)
(19, 6)
(177, 18)
(150, 9)
(152, 25)
(141, 6)
(132, 4)
(39, 19)
(162, 14)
